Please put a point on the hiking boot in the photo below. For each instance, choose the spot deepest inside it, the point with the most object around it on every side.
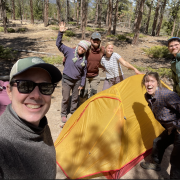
(64, 119)
(150, 165)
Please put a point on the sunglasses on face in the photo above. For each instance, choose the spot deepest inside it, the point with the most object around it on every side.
(26, 87)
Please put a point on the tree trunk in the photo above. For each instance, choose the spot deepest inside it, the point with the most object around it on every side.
(78, 12)
(31, 9)
(46, 2)
(155, 18)
(22, 2)
(97, 11)
(161, 18)
(110, 18)
(107, 16)
(47, 12)
(67, 10)
(83, 18)
(13, 8)
(2, 4)
(174, 24)
(86, 14)
(177, 34)
(100, 14)
(138, 23)
(58, 10)
(136, 14)
(149, 16)
(115, 17)
(130, 16)
(82, 3)
(20, 9)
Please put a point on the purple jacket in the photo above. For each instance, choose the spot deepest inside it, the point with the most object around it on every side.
(71, 69)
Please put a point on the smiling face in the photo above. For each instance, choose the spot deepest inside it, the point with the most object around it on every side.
(81, 50)
(109, 50)
(95, 43)
(174, 47)
(31, 107)
(151, 85)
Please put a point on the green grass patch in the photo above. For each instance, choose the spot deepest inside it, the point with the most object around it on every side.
(53, 59)
(142, 35)
(71, 22)
(69, 33)
(1, 29)
(55, 28)
(54, 38)
(111, 36)
(130, 34)
(7, 53)
(99, 29)
(66, 38)
(157, 51)
(89, 29)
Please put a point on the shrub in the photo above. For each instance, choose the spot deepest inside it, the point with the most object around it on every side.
(53, 59)
(163, 72)
(157, 51)
(121, 37)
(11, 30)
(69, 33)
(22, 30)
(7, 53)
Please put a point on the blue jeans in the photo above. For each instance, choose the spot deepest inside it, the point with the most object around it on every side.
(159, 146)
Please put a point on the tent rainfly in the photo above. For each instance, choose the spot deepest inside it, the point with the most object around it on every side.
(109, 133)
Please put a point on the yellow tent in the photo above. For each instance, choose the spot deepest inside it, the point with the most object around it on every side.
(110, 131)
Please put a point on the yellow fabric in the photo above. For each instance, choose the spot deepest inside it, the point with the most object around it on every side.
(109, 130)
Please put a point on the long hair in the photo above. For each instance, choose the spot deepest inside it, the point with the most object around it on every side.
(154, 75)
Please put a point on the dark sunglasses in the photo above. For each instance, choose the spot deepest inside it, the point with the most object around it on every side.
(26, 87)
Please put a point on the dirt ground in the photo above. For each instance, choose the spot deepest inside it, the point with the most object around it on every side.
(39, 38)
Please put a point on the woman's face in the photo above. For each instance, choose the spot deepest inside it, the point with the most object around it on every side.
(151, 85)
(81, 50)
(109, 50)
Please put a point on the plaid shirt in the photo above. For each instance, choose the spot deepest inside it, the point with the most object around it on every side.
(165, 106)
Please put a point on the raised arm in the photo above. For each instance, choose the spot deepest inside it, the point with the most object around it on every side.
(62, 48)
(126, 64)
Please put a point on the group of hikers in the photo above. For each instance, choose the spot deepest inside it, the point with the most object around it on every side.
(26, 145)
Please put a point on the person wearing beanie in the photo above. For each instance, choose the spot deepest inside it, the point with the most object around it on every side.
(26, 146)
(74, 73)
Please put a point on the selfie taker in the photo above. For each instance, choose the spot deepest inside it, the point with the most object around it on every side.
(26, 146)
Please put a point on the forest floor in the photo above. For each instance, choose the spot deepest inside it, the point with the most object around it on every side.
(40, 39)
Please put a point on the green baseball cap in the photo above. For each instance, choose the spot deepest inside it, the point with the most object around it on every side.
(24, 64)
